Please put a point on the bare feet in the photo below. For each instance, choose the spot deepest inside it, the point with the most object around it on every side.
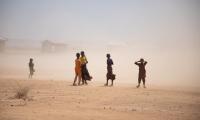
(86, 83)
(74, 84)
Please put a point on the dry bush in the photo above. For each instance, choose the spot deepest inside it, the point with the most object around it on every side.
(22, 93)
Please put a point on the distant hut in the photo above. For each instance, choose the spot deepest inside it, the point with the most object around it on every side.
(2, 44)
(48, 46)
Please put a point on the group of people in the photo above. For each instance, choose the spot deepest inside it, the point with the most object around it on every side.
(81, 70)
(82, 73)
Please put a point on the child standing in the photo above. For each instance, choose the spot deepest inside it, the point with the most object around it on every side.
(109, 74)
(31, 67)
(77, 69)
(84, 71)
(142, 72)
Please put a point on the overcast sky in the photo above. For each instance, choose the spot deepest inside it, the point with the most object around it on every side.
(101, 20)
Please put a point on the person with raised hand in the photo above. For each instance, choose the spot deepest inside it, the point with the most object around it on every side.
(142, 72)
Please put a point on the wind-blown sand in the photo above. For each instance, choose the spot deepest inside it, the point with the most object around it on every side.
(58, 100)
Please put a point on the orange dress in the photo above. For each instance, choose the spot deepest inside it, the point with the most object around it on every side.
(78, 67)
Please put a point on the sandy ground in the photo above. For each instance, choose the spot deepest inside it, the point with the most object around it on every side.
(58, 100)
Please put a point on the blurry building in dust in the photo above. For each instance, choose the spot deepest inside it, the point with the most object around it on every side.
(2, 44)
(50, 47)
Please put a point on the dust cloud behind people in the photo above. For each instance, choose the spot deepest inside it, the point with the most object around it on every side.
(164, 68)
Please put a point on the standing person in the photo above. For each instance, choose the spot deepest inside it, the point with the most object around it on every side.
(85, 74)
(142, 72)
(31, 67)
(77, 69)
(109, 74)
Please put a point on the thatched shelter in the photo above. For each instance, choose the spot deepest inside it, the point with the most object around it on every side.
(48, 46)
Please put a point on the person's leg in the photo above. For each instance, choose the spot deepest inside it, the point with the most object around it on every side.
(31, 74)
(112, 83)
(139, 80)
(83, 81)
(106, 82)
(86, 82)
(75, 79)
(112, 78)
(109, 74)
(79, 79)
(143, 80)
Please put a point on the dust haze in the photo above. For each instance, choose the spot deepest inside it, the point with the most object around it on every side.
(165, 34)
(165, 67)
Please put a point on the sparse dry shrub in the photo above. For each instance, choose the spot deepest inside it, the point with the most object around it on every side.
(22, 93)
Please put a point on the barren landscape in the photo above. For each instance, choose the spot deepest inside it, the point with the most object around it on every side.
(60, 100)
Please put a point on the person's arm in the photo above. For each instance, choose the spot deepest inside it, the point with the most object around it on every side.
(86, 60)
(136, 63)
(145, 62)
(112, 62)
